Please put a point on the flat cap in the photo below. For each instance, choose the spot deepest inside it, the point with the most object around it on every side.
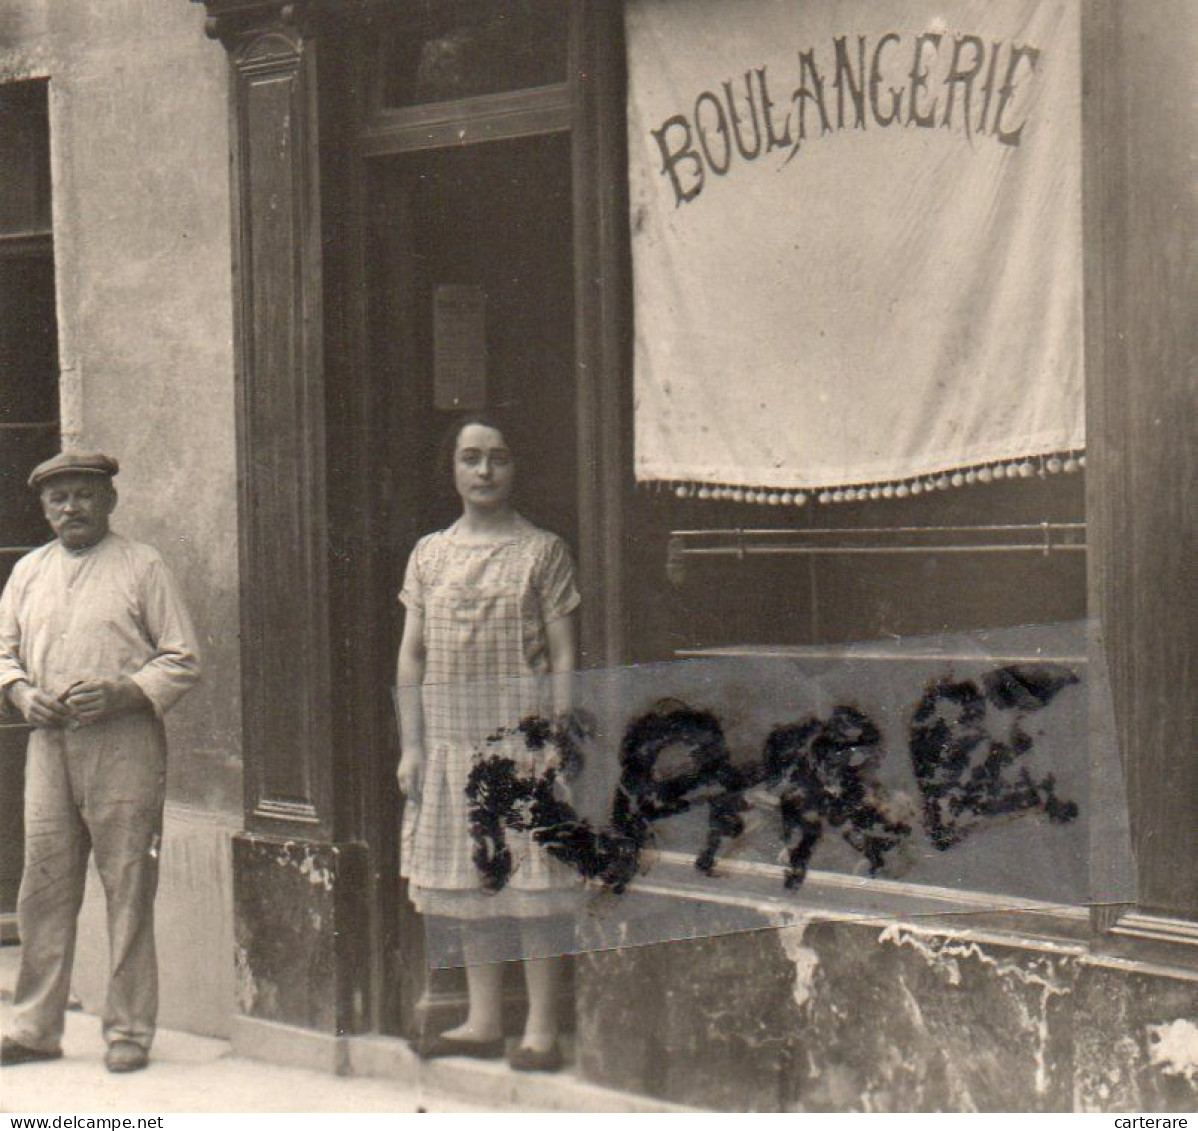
(73, 463)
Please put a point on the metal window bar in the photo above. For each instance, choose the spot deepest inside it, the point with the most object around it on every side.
(1016, 538)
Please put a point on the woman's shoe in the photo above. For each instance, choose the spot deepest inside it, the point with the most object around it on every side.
(431, 1047)
(537, 1060)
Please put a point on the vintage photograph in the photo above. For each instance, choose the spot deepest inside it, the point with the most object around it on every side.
(597, 556)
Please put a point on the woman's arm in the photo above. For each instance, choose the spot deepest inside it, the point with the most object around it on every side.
(562, 638)
(408, 679)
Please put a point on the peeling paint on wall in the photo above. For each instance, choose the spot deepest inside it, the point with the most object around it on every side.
(943, 954)
(933, 950)
(304, 860)
(1109, 1082)
(841, 1015)
(247, 989)
(802, 958)
(1173, 1048)
(318, 876)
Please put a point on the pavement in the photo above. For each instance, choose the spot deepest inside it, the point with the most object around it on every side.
(195, 1074)
(191, 1074)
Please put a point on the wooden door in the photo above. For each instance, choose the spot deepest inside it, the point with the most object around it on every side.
(493, 222)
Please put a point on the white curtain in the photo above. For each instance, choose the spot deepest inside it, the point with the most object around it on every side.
(856, 234)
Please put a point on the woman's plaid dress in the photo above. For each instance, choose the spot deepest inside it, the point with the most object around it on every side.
(485, 607)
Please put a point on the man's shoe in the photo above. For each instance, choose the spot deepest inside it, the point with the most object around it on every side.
(13, 1052)
(125, 1056)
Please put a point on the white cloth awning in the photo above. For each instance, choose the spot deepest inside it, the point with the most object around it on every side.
(856, 235)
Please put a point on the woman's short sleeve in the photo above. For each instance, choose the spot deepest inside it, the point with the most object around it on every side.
(555, 582)
(411, 596)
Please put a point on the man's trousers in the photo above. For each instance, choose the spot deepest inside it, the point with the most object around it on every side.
(96, 789)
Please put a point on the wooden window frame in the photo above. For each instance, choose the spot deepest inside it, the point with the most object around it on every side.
(32, 242)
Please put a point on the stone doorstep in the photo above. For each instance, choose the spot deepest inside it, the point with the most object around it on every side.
(391, 1058)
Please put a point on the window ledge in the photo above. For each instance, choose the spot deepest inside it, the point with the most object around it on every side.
(1139, 940)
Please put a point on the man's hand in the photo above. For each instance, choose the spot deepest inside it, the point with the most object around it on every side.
(38, 708)
(410, 774)
(95, 700)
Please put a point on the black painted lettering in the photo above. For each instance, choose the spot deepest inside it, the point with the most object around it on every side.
(503, 798)
(847, 81)
(701, 762)
(962, 76)
(1007, 93)
(919, 81)
(745, 152)
(966, 772)
(499, 796)
(773, 139)
(683, 154)
(988, 87)
(720, 127)
(827, 773)
(810, 89)
(875, 81)
(823, 771)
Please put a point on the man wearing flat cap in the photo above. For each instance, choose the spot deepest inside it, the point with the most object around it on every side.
(95, 646)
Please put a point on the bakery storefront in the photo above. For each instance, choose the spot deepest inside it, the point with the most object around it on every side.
(815, 313)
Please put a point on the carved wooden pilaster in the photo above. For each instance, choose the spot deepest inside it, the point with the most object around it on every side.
(280, 413)
(281, 432)
(300, 878)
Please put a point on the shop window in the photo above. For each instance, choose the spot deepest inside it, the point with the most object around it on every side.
(989, 556)
(789, 357)
(455, 50)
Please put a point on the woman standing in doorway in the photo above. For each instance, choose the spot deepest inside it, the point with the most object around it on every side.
(489, 604)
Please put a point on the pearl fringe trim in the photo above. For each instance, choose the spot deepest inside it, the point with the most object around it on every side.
(1035, 466)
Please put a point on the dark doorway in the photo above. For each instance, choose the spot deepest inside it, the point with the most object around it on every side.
(492, 221)
(493, 218)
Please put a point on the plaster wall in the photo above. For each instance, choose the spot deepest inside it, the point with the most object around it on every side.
(139, 141)
(139, 145)
(193, 920)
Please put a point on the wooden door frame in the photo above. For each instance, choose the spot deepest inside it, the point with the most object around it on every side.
(590, 107)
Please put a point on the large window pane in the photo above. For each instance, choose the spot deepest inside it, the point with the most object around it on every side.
(460, 50)
(21, 450)
(28, 322)
(28, 340)
(24, 158)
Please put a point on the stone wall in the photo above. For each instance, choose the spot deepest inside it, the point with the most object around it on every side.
(853, 1017)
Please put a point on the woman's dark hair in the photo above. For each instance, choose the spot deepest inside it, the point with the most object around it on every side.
(498, 420)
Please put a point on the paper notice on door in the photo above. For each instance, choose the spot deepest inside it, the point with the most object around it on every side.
(459, 347)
